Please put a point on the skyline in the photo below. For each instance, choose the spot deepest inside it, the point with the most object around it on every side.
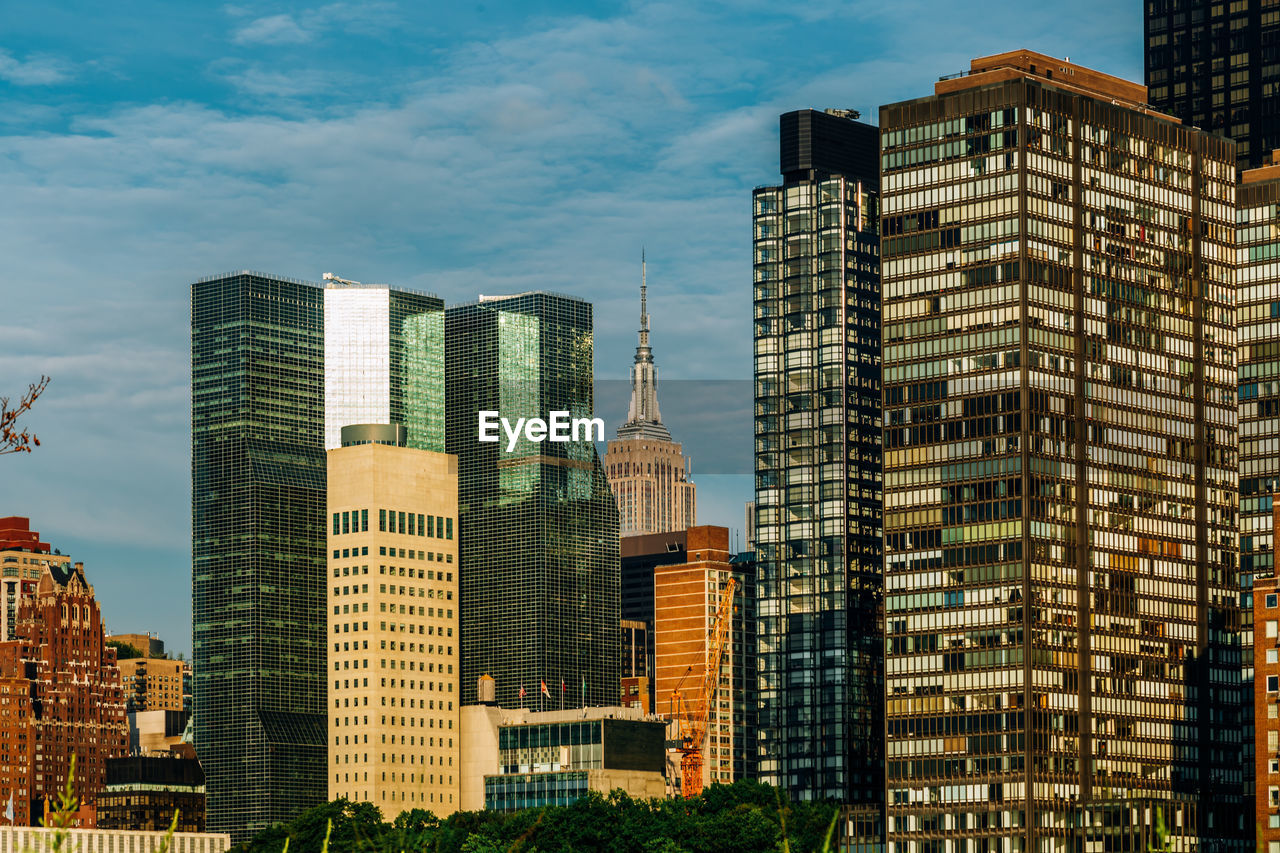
(600, 130)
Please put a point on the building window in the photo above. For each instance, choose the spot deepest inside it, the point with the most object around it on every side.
(1271, 628)
(382, 521)
(1272, 656)
(1271, 599)
(364, 520)
(1273, 683)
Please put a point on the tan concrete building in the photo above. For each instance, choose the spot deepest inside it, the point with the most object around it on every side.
(647, 471)
(149, 646)
(685, 597)
(516, 758)
(152, 684)
(393, 625)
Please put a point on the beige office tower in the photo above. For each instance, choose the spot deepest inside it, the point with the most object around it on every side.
(393, 623)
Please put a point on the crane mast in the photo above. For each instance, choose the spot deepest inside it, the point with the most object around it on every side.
(693, 721)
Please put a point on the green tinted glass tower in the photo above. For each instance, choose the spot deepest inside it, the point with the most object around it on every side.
(258, 499)
(539, 526)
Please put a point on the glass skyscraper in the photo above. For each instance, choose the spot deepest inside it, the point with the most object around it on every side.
(817, 456)
(258, 539)
(1257, 312)
(1214, 64)
(1060, 472)
(384, 361)
(539, 595)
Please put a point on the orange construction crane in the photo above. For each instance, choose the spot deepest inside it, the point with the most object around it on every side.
(693, 720)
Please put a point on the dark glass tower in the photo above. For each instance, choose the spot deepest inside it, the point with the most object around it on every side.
(817, 433)
(539, 526)
(1215, 64)
(1060, 470)
(258, 539)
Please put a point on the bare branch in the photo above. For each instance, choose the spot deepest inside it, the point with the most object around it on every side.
(12, 439)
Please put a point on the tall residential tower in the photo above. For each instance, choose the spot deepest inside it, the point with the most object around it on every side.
(1060, 471)
(1212, 63)
(817, 455)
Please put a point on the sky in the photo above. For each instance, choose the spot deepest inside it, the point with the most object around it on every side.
(458, 148)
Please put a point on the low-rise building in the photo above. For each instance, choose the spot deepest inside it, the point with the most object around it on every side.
(20, 839)
(516, 758)
(144, 791)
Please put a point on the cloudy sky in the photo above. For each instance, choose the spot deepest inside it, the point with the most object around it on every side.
(460, 148)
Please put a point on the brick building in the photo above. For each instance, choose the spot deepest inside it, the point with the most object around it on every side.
(60, 691)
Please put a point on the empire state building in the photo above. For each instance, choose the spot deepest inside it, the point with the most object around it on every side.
(646, 469)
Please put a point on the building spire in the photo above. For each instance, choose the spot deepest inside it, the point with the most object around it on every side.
(644, 302)
(643, 418)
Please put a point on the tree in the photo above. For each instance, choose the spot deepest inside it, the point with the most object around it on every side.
(13, 439)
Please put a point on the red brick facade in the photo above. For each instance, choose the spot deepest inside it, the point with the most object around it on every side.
(60, 695)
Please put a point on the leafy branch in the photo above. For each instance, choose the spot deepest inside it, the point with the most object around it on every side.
(13, 439)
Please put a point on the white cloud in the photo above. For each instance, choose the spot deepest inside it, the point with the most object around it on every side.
(34, 70)
(273, 29)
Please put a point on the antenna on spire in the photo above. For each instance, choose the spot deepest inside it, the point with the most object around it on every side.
(644, 303)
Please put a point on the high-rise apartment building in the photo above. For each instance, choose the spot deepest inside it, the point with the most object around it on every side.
(22, 555)
(539, 526)
(61, 688)
(258, 538)
(383, 361)
(647, 471)
(393, 625)
(1258, 345)
(817, 455)
(1213, 64)
(686, 598)
(1060, 472)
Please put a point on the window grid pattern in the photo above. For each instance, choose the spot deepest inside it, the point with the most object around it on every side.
(258, 540)
(817, 456)
(539, 582)
(1060, 478)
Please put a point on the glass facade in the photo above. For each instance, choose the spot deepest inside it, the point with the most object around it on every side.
(534, 790)
(258, 539)
(1214, 64)
(1061, 567)
(817, 458)
(384, 362)
(1258, 331)
(539, 526)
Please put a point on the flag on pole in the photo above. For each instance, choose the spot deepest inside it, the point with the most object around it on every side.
(522, 693)
(545, 691)
(584, 690)
(564, 691)
(8, 812)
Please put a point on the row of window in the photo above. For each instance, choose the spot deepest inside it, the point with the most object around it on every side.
(394, 521)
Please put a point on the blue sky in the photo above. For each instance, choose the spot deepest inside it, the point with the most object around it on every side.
(459, 148)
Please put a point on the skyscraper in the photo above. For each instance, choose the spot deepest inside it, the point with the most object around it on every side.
(384, 361)
(1257, 281)
(393, 619)
(647, 470)
(1060, 473)
(817, 432)
(540, 571)
(1212, 64)
(258, 538)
